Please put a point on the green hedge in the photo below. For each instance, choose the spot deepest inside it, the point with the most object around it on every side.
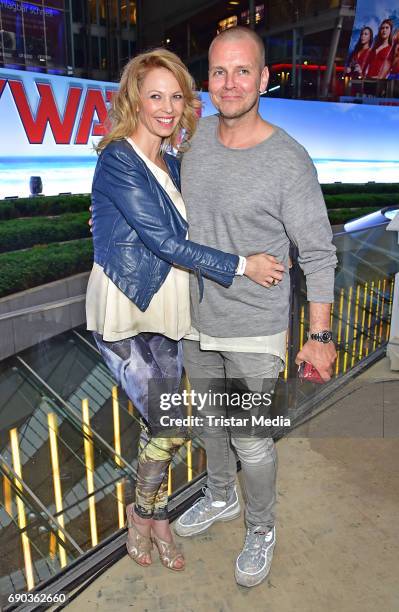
(42, 206)
(42, 264)
(23, 233)
(362, 200)
(342, 216)
(25, 269)
(343, 188)
(336, 195)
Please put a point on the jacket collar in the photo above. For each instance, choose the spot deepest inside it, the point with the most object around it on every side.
(171, 162)
(173, 167)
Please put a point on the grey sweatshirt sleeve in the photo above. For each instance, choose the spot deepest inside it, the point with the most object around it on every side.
(306, 222)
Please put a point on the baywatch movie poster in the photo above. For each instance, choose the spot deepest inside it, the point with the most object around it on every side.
(49, 125)
(374, 46)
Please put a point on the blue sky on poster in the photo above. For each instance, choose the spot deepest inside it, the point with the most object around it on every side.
(371, 13)
(332, 130)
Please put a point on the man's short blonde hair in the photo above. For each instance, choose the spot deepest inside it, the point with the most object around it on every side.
(239, 33)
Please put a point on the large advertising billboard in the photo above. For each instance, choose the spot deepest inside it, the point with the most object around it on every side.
(374, 45)
(50, 124)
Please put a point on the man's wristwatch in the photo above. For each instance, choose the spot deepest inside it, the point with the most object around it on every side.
(325, 336)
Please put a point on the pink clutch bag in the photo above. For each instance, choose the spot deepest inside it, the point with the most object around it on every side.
(308, 372)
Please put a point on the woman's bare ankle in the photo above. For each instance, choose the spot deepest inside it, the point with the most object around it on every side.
(143, 524)
(162, 530)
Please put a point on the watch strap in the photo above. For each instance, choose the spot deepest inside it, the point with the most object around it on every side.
(325, 336)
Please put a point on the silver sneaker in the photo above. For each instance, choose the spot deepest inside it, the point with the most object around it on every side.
(254, 561)
(205, 512)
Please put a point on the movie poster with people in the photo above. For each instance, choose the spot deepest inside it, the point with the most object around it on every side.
(374, 46)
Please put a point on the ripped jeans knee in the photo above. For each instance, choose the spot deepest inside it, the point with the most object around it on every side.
(255, 451)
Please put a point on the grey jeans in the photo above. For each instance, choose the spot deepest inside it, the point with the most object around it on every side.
(257, 371)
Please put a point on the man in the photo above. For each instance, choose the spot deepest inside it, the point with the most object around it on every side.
(249, 187)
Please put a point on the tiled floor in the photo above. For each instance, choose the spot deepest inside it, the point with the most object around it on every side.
(337, 530)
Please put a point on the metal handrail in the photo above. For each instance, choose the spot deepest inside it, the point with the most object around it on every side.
(76, 417)
(51, 518)
(43, 307)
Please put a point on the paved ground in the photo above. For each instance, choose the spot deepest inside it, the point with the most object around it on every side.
(337, 529)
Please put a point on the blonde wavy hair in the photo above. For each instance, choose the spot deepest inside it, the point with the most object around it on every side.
(122, 117)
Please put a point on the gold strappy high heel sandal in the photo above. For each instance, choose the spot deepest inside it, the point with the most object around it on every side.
(169, 553)
(137, 544)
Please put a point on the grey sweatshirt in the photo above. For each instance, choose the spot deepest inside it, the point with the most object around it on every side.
(247, 201)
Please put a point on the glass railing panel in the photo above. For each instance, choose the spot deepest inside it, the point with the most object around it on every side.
(71, 436)
(361, 314)
(33, 549)
(74, 481)
(367, 263)
(35, 543)
(75, 371)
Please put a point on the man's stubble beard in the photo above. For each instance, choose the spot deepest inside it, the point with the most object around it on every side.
(240, 113)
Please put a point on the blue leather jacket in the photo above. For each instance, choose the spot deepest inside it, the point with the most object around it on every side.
(137, 231)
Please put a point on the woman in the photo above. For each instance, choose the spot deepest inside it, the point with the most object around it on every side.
(394, 57)
(390, 68)
(359, 56)
(380, 51)
(138, 296)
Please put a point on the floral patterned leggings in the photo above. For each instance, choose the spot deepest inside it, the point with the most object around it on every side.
(134, 362)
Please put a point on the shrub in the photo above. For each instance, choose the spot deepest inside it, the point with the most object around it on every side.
(42, 264)
(362, 200)
(22, 233)
(344, 188)
(342, 216)
(336, 195)
(43, 206)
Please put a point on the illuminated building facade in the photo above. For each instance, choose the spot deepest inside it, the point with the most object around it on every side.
(92, 38)
(306, 41)
(103, 37)
(33, 35)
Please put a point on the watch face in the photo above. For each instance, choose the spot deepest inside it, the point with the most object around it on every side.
(322, 336)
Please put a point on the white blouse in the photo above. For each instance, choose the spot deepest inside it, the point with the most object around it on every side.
(113, 315)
